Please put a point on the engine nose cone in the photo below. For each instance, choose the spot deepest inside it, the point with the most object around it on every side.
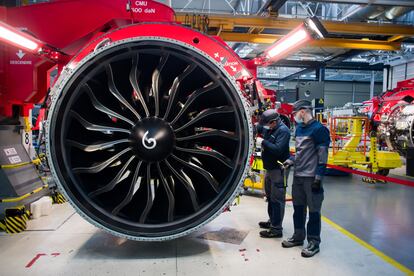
(153, 139)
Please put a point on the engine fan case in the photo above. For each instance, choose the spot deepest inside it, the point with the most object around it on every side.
(77, 146)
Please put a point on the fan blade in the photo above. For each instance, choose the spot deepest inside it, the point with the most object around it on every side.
(188, 186)
(135, 185)
(210, 133)
(210, 179)
(100, 166)
(206, 113)
(96, 147)
(193, 97)
(155, 83)
(118, 178)
(133, 79)
(176, 83)
(114, 91)
(100, 107)
(150, 197)
(95, 127)
(212, 153)
(171, 200)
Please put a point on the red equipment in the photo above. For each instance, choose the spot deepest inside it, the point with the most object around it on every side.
(393, 115)
(149, 130)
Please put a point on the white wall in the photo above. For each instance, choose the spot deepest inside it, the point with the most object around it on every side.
(402, 72)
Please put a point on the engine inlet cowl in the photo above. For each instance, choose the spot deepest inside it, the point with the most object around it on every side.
(148, 138)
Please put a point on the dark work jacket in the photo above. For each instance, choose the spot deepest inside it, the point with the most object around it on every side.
(312, 144)
(275, 146)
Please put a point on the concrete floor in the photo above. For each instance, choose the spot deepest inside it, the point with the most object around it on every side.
(380, 214)
(74, 247)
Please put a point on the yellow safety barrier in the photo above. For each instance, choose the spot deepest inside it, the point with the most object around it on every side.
(16, 199)
(58, 198)
(36, 161)
(15, 220)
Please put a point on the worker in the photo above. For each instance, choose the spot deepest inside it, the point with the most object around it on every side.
(312, 144)
(275, 150)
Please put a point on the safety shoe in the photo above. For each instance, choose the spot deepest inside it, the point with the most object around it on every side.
(291, 242)
(265, 224)
(270, 234)
(310, 250)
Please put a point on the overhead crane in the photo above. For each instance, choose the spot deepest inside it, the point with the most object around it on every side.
(224, 26)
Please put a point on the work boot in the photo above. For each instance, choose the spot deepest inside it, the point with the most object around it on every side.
(310, 250)
(291, 242)
(270, 234)
(265, 224)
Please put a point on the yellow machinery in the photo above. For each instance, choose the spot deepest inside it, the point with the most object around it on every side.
(355, 146)
(255, 179)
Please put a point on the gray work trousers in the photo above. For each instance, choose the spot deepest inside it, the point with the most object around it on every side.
(303, 198)
(275, 190)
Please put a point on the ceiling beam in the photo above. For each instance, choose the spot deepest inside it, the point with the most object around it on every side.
(312, 79)
(348, 65)
(324, 43)
(298, 74)
(229, 22)
(358, 44)
(402, 3)
(275, 5)
(335, 61)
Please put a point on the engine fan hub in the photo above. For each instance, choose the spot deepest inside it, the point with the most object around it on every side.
(153, 139)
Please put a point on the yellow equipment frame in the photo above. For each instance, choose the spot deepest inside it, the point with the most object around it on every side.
(354, 145)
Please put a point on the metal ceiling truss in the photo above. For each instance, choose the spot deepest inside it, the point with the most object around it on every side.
(402, 3)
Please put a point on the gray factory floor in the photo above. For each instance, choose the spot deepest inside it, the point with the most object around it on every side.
(230, 245)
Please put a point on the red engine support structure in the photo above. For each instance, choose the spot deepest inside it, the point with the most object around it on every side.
(393, 115)
(68, 26)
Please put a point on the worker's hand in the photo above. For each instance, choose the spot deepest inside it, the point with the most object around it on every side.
(259, 141)
(316, 185)
(287, 164)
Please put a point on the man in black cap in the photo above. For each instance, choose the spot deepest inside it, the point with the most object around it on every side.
(312, 143)
(275, 150)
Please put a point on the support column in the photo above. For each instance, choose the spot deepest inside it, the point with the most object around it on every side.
(372, 84)
(385, 80)
(320, 74)
(353, 92)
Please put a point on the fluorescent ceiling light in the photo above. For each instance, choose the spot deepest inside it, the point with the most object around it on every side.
(17, 39)
(314, 28)
(288, 43)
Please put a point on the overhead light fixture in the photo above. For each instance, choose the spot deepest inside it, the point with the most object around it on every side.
(17, 38)
(290, 41)
(312, 28)
(315, 28)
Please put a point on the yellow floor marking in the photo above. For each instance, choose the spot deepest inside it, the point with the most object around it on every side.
(387, 259)
(378, 253)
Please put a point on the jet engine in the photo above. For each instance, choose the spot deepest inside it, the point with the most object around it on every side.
(393, 115)
(148, 126)
(149, 137)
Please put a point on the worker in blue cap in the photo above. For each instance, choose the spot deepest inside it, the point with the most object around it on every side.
(312, 143)
(275, 150)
